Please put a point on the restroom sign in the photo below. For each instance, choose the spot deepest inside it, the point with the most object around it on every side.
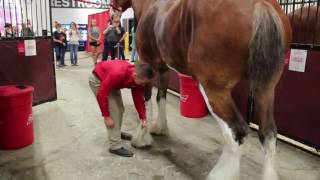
(87, 4)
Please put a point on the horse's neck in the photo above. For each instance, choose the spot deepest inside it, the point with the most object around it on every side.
(141, 6)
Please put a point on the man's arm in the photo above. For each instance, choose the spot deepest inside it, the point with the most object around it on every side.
(139, 102)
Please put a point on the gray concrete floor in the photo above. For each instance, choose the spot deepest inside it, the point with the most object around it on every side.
(71, 143)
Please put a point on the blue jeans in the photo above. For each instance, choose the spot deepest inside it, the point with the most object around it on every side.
(134, 55)
(60, 54)
(73, 53)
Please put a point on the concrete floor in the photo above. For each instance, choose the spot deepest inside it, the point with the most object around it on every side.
(71, 143)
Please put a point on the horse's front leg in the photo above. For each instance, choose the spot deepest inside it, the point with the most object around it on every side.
(142, 137)
(160, 126)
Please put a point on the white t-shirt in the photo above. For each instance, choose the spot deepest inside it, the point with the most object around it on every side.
(74, 37)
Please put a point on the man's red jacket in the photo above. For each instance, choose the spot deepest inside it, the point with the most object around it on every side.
(115, 75)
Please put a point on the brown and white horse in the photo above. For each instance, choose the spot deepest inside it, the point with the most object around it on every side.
(218, 42)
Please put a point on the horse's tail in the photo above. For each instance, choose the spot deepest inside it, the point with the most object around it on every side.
(266, 46)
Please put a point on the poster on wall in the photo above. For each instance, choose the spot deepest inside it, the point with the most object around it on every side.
(30, 47)
(298, 60)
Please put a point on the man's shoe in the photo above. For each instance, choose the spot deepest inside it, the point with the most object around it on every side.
(121, 152)
(126, 136)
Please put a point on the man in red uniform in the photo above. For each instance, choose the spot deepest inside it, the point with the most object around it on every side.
(107, 79)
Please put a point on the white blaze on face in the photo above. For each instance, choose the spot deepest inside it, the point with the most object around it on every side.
(228, 165)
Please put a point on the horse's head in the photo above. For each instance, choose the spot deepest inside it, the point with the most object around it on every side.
(121, 5)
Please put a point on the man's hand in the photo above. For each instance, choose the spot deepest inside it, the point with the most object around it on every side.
(109, 122)
(144, 123)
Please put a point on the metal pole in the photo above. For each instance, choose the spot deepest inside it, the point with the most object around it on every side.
(50, 14)
(15, 9)
(4, 11)
(31, 21)
(37, 18)
(21, 14)
(41, 15)
(10, 12)
(26, 6)
(46, 13)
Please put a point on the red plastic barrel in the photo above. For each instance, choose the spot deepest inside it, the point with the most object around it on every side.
(192, 104)
(16, 128)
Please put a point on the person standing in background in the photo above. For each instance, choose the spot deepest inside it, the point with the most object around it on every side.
(120, 37)
(58, 45)
(110, 37)
(134, 53)
(74, 44)
(26, 31)
(94, 40)
(65, 43)
(8, 32)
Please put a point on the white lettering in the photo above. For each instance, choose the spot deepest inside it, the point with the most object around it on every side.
(66, 3)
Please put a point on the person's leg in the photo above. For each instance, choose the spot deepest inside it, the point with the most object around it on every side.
(75, 54)
(132, 55)
(71, 53)
(57, 50)
(95, 54)
(136, 56)
(94, 84)
(116, 112)
(98, 53)
(63, 51)
(106, 51)
(122, 53)
(113, 51)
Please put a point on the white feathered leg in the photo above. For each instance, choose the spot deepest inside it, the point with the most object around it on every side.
(228, 165)
(142, 138)
(269, 172)
(160, 126)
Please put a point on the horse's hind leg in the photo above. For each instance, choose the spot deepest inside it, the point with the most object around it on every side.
(234, 129)
(160, 126)
(264, 100)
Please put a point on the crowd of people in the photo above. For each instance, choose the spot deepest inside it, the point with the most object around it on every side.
(112, 37)
(11, 31)
(61, 44)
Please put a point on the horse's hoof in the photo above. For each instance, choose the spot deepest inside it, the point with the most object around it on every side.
(142, 147)
(158, 134)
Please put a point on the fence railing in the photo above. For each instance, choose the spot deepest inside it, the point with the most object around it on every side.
(304, 16)
(25, 18)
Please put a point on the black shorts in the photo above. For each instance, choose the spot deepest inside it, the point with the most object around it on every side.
(94, 44)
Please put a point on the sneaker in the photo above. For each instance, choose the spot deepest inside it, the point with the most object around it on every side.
(126, 136)
(121, 152)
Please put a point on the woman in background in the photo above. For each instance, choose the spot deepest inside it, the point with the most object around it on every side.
(94, 39)
(58, 45)
(63, 38)
(74, 43)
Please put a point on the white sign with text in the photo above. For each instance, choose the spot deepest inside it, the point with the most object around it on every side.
(298, 59)
(30, 47)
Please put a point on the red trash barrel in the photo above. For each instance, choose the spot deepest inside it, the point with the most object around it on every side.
(192, 103)
(16, 128)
